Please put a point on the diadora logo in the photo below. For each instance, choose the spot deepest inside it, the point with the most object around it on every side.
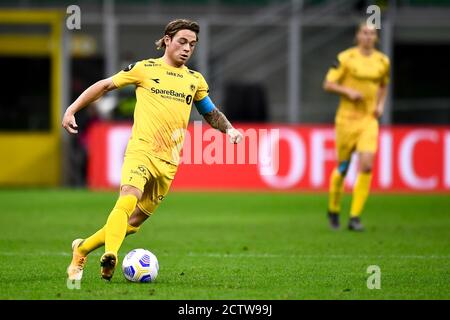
(156, 80)
(172, 94)
(193, 73)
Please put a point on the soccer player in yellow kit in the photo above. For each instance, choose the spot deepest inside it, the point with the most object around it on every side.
(165, 92)
(360, 77)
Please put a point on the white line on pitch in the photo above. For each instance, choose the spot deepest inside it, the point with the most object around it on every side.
(245, 255)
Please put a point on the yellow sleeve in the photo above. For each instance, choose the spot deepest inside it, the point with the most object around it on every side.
(202, 89)
(337, 70)
(386, 78)
(130, 75)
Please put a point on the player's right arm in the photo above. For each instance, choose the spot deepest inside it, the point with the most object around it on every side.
(132, 74)
(333, 78)
(334, 87)
(88, 96)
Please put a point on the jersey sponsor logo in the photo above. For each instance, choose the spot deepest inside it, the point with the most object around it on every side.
(141, 172)
(170, 92)
(174, 74)
(151, 63)
(130, 66)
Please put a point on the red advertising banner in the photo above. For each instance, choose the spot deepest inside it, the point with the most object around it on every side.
(282, 157)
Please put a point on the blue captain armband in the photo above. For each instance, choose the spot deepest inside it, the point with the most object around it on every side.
(205, 105)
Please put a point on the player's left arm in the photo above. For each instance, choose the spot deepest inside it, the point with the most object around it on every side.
(383, 90)
(211, 114)
(381, 100)
(217, 119)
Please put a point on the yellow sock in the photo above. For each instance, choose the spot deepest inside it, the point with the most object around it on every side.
(93, 242)
(131, 229)
(335, 191)
(98, 239)
(116, 225)
(360, 193)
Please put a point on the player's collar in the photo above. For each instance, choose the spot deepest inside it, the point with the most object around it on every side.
(161, 60)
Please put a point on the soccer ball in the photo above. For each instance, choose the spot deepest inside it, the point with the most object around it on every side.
(140, 265)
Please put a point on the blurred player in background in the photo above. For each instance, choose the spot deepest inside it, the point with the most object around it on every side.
(165, 91)
(359, 76)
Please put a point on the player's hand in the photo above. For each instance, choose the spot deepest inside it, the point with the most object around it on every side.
(354, 95)
(378, 112)
(235, 135)
(69, 123)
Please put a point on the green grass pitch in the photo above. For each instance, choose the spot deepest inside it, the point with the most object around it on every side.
(231, 246)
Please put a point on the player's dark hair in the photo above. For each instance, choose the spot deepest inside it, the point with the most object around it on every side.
(174, 26)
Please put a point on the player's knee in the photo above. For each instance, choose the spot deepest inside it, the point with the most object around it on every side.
(366, 161)
(366, 167)
(137, 218)
(130, 190)
(343, 167)
(126, 203)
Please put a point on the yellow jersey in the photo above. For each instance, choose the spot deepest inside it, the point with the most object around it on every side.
(164, 97)
(362, 73)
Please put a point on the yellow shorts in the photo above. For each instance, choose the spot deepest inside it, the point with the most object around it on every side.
(151, 175)
(358, 135)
